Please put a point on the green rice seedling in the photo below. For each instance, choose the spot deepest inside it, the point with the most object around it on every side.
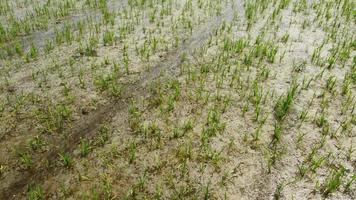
(126, 59)
(94, 194)
(48, 46)
(350, 182)
(177, 133)
(108, 83)
(285, 38)
(18, 49)
(349, 153)
(81, 78)
(106, 188)
(277, 133)
(108, 38)
(134, 117)
(347, 103)
(326, 130)
(346, 127)
(25, 159)
(321, 120)
(158, 192)
(316, 162)
(153, 131)
(85, 147)
(250, 12)
(169, 107)
(278, 192)
(271, 54)
(330, 83)
(256, 98)
(90, 47)
(65, 160)
(184, 152)
(330, 62)
(300, 6)
(300, 138)
(239, 45)
(324, 102)
(306, 83)
(345, 86)
(272, 155)
(333, 181)
(248, 59)
(257, 133)
(108, 16)
(207, 191)
(282, 56)
(5, 8)
(264, 73)
(67, 33)
(213, 124)
(284, 103)
(35, 192)
(32, 54)
(316, 55)
(188, 125)
(132, 152)
(303, 116)
(302, 170)
(37, 143)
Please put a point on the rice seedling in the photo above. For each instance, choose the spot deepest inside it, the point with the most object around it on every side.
(132, 152)
(108, 38)
(284, 103)
(37, 143)
(177, 99)
(333, 181)
(32, 53)
(25, 159)
(350, 182)
(66, 160)
(84, 147)
(35, 192)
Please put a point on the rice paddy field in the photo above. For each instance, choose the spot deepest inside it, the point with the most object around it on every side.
(178, 99)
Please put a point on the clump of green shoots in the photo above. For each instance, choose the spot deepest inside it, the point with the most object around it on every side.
(333, 181)
(66, 160)
(284, 103)
(35, 192)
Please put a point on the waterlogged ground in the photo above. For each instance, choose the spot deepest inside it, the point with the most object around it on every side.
(177, 99)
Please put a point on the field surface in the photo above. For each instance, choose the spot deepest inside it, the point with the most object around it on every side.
(178, 99)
